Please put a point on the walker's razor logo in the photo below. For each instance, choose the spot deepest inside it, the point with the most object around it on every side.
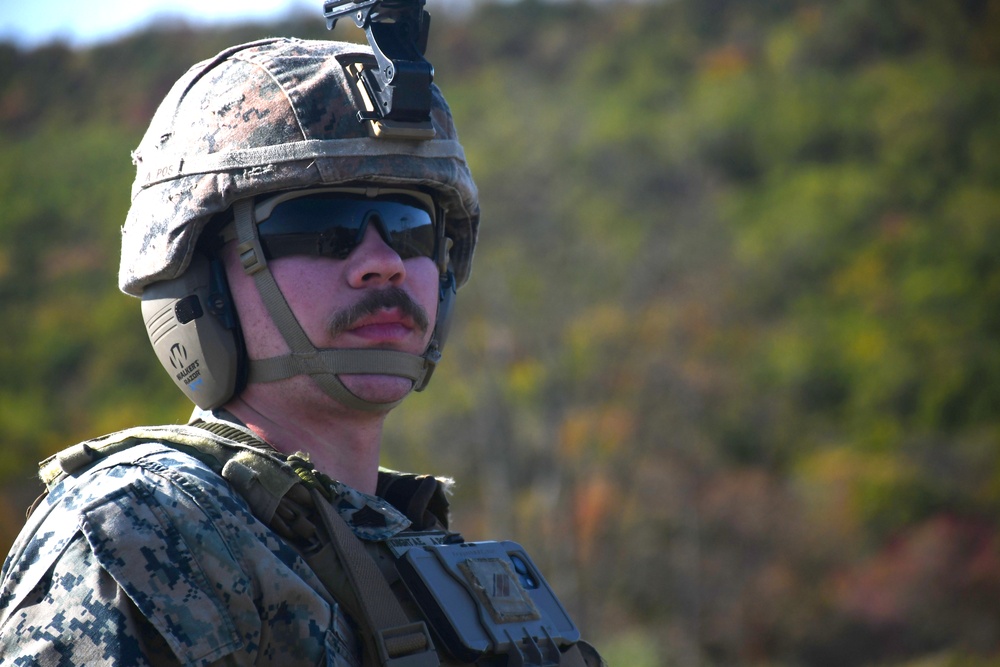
(178, 355)
(189, 374)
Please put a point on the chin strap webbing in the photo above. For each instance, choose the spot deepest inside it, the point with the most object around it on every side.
(323, 366)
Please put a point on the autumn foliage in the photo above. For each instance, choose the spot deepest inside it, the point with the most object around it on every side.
(728, 362)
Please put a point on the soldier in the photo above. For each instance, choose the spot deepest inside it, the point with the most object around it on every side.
(296, 275)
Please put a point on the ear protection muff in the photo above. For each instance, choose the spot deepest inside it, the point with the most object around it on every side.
(195, 334)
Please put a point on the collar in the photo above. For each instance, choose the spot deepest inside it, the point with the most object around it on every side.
(369, 516)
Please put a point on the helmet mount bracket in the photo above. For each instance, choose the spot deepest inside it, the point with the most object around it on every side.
(396, 87)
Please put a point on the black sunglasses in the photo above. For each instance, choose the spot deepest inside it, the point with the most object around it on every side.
(333, 224)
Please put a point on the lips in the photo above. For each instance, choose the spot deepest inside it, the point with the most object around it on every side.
(383, 326)
(387, 314)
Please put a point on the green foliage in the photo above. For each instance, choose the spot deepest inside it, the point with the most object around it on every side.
(727, 364)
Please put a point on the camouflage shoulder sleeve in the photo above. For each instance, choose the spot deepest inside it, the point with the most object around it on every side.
(150, 558)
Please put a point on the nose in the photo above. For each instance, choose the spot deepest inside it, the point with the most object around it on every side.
(373, 263)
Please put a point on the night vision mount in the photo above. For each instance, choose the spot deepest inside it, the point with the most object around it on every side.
(396, 87)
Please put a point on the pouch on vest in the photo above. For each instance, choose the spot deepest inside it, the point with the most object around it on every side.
(488, 598)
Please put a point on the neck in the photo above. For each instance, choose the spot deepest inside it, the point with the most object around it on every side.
(341, 443)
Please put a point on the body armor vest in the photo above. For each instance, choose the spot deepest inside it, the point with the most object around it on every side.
(292, 498)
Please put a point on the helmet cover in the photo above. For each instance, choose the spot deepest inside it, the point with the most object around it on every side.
(272, 115)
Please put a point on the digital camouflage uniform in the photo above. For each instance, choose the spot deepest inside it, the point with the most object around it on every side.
(148, 556)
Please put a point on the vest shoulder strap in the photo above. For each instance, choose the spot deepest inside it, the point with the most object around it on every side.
(255, 471)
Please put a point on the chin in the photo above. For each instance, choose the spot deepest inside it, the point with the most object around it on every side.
(377, 388)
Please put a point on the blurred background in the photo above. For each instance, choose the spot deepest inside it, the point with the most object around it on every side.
(727, 365)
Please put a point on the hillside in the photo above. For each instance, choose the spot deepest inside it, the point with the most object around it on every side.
(727, 364)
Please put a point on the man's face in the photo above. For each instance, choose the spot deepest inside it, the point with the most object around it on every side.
(371, 299)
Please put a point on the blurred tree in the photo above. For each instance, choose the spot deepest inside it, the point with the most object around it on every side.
(727, 363)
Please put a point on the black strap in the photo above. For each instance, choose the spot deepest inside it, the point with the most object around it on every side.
(388, 631)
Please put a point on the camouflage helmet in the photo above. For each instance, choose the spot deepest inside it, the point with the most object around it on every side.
(273, 115)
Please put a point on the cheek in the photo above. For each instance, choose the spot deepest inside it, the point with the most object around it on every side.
(308, 285)
(422, 281)
(260, 335)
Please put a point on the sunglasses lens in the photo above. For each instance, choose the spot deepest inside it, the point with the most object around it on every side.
(332, 225)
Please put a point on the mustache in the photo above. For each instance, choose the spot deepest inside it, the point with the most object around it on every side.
(372, 302)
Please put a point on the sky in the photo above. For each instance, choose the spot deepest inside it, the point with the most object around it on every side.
(32, 22)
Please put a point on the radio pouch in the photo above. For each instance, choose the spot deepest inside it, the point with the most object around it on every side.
(488, 598)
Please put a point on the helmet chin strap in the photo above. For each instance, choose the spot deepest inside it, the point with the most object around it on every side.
(324, 366)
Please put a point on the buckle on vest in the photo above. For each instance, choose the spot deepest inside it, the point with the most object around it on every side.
(406, 646)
